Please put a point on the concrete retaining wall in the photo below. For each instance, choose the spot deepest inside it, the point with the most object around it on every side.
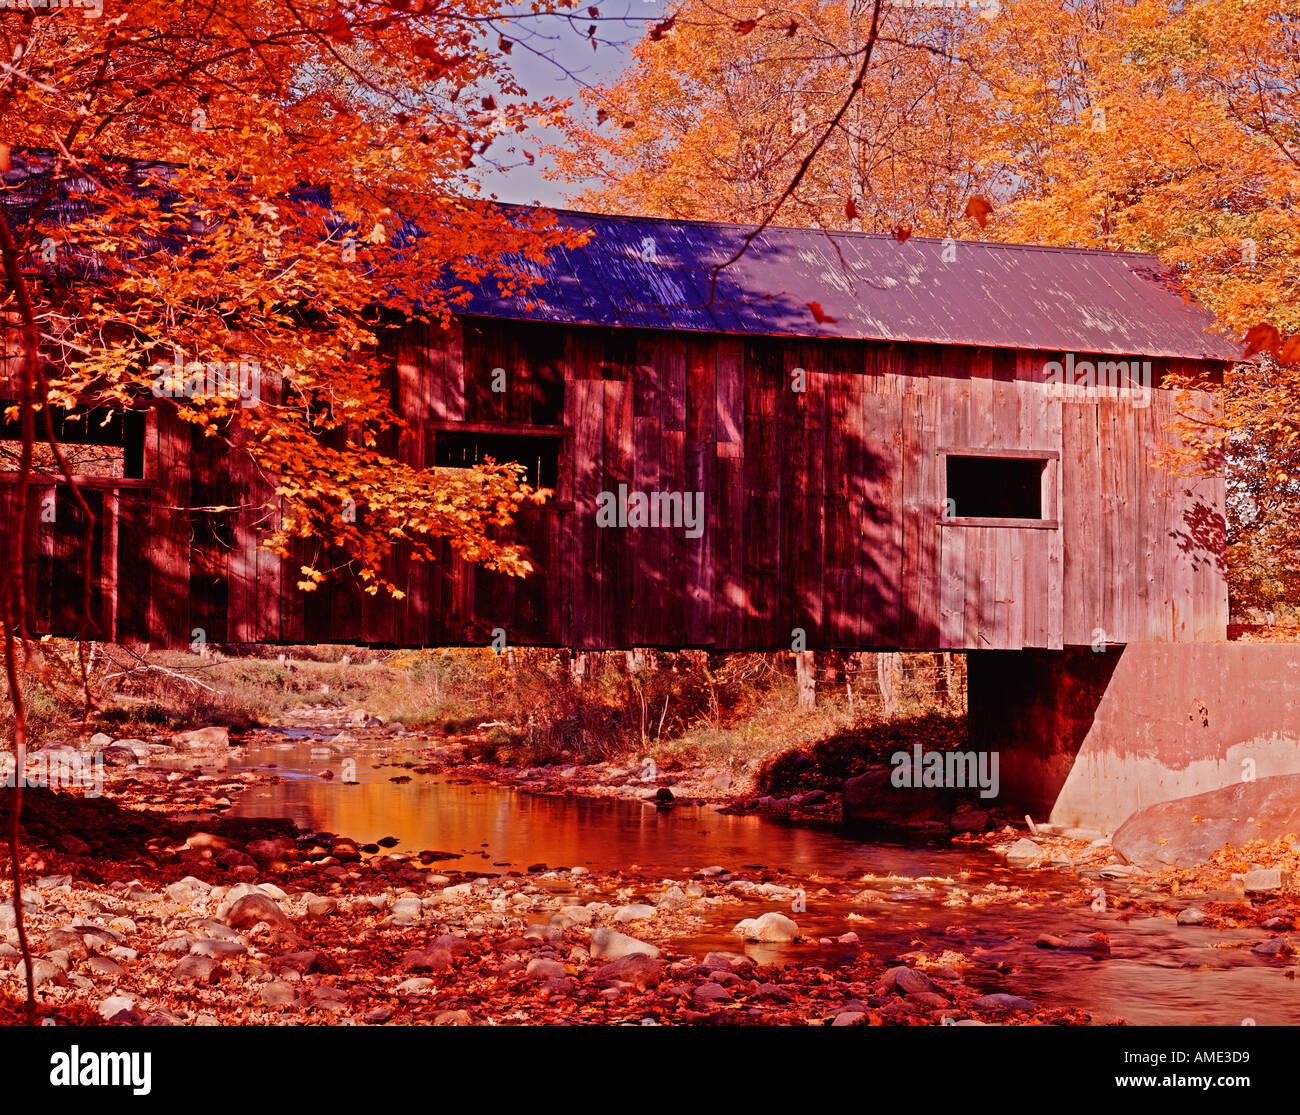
(1089, 738)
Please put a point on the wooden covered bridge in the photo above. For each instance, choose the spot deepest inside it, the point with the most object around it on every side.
(919, 445)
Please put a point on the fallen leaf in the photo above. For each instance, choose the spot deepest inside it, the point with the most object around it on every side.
(978, 209)
(1262, 338)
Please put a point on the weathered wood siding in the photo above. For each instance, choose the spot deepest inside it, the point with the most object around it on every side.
(823, 507)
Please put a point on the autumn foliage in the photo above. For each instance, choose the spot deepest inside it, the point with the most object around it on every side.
(1154, 126)
(306, 183)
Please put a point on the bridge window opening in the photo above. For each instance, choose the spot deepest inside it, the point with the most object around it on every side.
(539, 454)
(989, 487)
(97, 443)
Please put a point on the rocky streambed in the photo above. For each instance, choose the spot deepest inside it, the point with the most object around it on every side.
(308, 878)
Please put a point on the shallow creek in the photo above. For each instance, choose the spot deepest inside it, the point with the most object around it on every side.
(1157, 973)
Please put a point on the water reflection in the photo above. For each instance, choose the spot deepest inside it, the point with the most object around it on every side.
(1158, 973)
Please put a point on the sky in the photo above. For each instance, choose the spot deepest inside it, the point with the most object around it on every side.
(621, 24)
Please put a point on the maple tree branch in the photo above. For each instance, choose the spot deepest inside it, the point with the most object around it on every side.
(808, 159)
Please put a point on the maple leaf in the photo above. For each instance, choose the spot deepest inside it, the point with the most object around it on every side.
(819, 315)
(426, 48)
(978, 209)
(902, 231)
(1290, 353)
(506, 45)
(851, 209)
(1261, 338)
(338, 28)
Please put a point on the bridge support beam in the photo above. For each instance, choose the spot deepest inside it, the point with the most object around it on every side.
(1086, 738)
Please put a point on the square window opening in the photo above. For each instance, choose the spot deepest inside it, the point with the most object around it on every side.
(540, 456)
(995, 487)
(97, 442)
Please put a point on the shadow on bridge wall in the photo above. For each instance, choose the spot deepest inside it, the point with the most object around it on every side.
(1088, 738)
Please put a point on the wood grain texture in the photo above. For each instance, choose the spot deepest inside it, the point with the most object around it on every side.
(823, 507)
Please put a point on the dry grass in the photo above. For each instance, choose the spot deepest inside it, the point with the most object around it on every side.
(736, 712)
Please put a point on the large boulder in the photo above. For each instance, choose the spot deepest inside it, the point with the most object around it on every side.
(202, 739)
(254, 909)
(872, 800)
(607, 944)
(1189, 830)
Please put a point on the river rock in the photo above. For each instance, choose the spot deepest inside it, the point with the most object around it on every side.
(723, 961)
(72, 844)
(607, 944)
(212, 946)
(910, 982)
(1275, 946)
(202, 739)
(46, 970)
(1190, 916)
(1264, 880)
(255, 909)
(453, 944)
(1024, 851)
(976, 820)
(197, 969)
(270, 851)
(1165, 835)
(638, 911)
(1002, 1001)
(277, 995)
(319, 905)
(542, 968)
(416, 985)
(1096, 943)
(101, 967)
(872, 800)
(114, 1005)
(117, 756)
(772, 927)
(406, 910)
(68, 941)
(707, 993)
(426, 960)
(637, 968)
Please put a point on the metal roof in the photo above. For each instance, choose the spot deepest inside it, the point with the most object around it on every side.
(654, 273)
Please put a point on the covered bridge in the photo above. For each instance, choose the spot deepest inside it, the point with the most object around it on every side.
(927, 444)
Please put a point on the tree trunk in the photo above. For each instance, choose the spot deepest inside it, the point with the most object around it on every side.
(889, 668)
(943, 677)
(805, 665)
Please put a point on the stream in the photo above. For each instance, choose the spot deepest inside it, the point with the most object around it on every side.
(1158, 973)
